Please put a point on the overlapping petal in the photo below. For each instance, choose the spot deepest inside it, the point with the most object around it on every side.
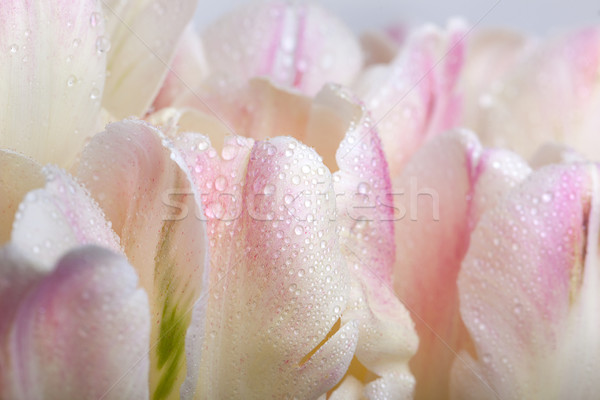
(51, 77)
(529, 291)
(58, 217)
(278, 281)
(413, 98)
(551, 95)
(290, 200)
(81, 331)
(439, 197)
(73, 323)
(489, 55)
(146, 193)
(365, 208)
(138, 53)
(297, 45)
(18, 175)
(261, 109)
(187, 70)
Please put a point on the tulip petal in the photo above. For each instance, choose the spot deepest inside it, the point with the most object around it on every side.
(378, 48)
(387, 339)
(529, 290)
(278, 281)
(413, 98)
(261, 109)
(58, 217)
(551, 94)
(297, 45)
(51, 70)
(441, 194)
(490, 54)
(147, 195)
(554, 153)
(138, 53)
(187, 70)
(18, 175)
(80, 332)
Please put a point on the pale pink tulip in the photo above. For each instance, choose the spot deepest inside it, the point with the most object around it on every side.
(414, 98)
(300, 287)
(441, 195)
(549, 95)
(73, 323)
(529, 289)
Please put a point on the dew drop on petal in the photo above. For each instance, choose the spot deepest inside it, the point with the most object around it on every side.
(94, 94)
(102, 44)
(95, 19)
(71, 80)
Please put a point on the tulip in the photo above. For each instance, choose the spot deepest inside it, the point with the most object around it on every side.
(300, 285)
(529, 292)
(548, 94)
(75, 65)
(442, 193)
(289, 212)
(73, 322)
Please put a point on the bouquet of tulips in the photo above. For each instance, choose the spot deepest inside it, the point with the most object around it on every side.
(275, 208)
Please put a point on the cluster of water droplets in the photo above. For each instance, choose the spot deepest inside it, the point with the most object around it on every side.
(277, 282)
(516, 284)
(62, 206)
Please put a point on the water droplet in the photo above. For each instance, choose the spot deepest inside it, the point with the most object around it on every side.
(102, 44)
(363, 188)
(202, 145)
(71, 80)
(547, 197)
(487, 358)
(288, 199)
(229, 152)
(220, 183)
(296, 180)
(13, 48)
(76, 42)
(269, 189)
(95, 19)
(298, 230)
(94, 94)
(517, 309)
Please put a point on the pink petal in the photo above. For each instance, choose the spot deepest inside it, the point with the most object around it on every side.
(439, 197)
(378, 48)
(80, 332)
(387, 339)
(297, 45)
(276, 265)
(529, 290)
(260, 109)
(54, 219)
(187, 69)
(51, 77)
(139, 55)
(551, 94)
(144, 188)
(489, 55)
(555, 153)
(413, 98)
(18, 175)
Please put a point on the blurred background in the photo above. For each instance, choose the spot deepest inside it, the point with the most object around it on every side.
(534, 16)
